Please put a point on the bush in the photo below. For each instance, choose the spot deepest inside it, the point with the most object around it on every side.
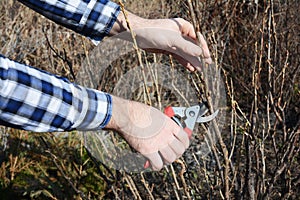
(255, 44)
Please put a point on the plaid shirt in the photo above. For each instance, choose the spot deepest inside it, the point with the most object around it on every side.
(91, 18)
(34, 100)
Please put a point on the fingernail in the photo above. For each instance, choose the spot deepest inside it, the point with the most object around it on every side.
(208, 61)
(147, 164)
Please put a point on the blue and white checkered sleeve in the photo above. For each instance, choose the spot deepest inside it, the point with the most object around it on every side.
(34, 100)
(91, 18)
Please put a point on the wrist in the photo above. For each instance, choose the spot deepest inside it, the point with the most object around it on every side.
(130, 115)
(121, 25)
(118, 113)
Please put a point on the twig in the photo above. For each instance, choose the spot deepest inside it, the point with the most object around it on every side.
(54, 159)
(138, 51)
(183, 170)
(214, 122)
(132, 187)
(63, 58)
(146, 185)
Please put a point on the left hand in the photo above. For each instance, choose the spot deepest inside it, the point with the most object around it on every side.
(170, 36)
(176, 37)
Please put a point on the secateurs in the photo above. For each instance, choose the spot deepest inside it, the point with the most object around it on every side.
(187, 117)
(190, 116)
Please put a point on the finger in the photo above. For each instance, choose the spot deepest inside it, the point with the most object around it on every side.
(182, 136)
(186, 49)
(205, 49)
(186, 28)
(184, 62)
(196, 62)
(155, 160)
(184, 45)
(190, 62)
(190, 67)
(190, 51)
(168, 155)
(177, 147)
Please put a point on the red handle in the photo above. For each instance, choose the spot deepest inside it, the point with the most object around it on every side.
(169, 111)
(189, 132)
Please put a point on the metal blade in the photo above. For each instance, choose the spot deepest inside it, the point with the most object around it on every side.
(203, 110)
(205, 119)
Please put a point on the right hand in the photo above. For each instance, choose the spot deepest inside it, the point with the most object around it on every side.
(148, 131)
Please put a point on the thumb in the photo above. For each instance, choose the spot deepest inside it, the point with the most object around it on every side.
(205, 49)
(155, 160)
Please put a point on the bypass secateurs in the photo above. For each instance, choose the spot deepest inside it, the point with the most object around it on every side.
(187, 117)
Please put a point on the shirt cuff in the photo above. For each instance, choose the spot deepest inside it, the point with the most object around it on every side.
(91, 18)
(96, 110)
(98, 19)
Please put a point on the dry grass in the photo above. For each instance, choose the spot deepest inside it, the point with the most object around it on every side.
(257, 156)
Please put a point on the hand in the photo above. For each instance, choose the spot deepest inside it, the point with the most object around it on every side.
(148, 131)
(176, 37)
(170, 36)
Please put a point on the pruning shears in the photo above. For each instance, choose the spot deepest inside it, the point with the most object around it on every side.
(190, 116)
(187, 117)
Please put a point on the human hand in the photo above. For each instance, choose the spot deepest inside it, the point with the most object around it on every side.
(170, 36)
(148, 131)
(176, 37)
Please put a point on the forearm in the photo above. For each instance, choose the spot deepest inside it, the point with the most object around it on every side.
(93, 19)
(37, 101)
